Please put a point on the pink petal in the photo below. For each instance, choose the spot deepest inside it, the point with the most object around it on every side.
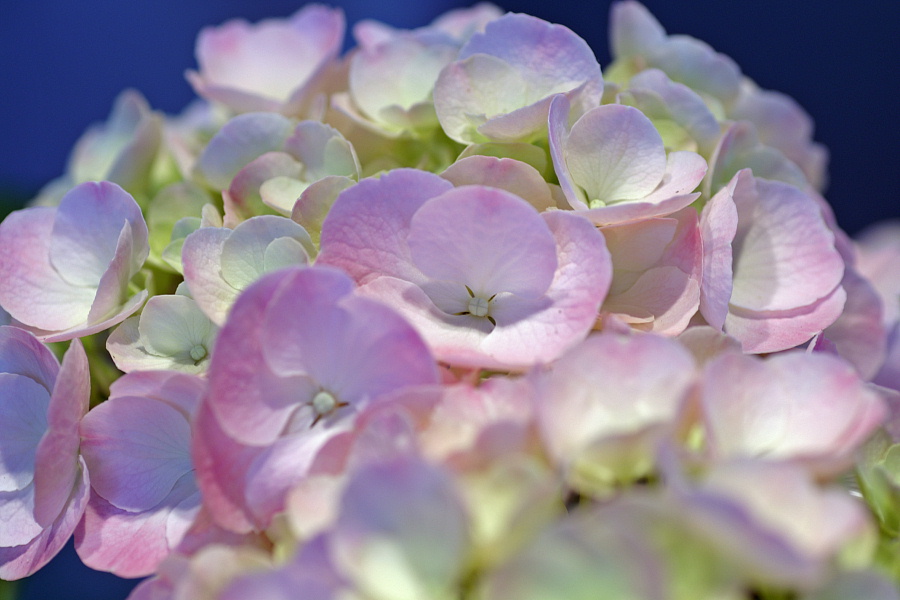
(22, 354)
(697, 65)
(23, 421)
(462, 23)
(523, 124)
(243, 257)
(322, 150)
(391, 82)
(127, 544)
(220, 466)
(633, 30)
(558, 133)
(124, 311)
(351, 346)
(684, 170)
(579, 286)
(202, 258)
(57, 459)
(179, 390)
(657, 266)
(783, 124)
(314, 204)
(86, 231)
(508, 174)
(244, 193)
(33, 292)
(794, 405)
(240, 141)
(547, 55)
(266, 64)
(615, 153)
(454, 339)
(761, 332)
(501, 86)
(251, 401)
(666, 295)
(18, 526)
(784, 253)
(859, 333)
(610, 385)
(363, 233)
(718, 224)
(485, 238)
(739, 148)
(21, 561)
(412, 507)
(137, 449)
(679, 103)
(113, 285)
(278, 468)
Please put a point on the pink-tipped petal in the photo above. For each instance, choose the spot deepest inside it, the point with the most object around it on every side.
(86, 233)
(23, 420)
(615, 153)
(269, 65)
(137, 449)
(761, 332)
(485, 238)
(221, 481)
(33, 292)
(795, 405)
(508, 174)
(57, 458)
(201, 256)
(784, 253)
(633, 30)
(859, 334)
(130, 544)
(718, 225)
(17, 562)
(22, 354)
(362, 234)
(239, 142)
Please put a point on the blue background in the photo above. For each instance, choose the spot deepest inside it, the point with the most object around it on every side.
(63, 62)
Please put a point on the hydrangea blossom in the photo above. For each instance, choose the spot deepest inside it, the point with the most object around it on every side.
(170, 333)
(255, 67)
(66, 269)
(44, 481)
(501, 84)
(283, 382)
(220, 262)
(768, 308)
(487, 292)
(613, 166)
(144, 496)
(514, 332)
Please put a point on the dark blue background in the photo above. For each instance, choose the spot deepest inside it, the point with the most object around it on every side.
(63, 62)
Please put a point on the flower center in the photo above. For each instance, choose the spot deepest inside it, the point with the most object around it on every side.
(198, 353)
(478, 306)
(323, 403)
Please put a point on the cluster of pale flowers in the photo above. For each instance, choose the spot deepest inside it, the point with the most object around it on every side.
(452, 316)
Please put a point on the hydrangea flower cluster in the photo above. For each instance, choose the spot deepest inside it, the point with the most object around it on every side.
(453, 315)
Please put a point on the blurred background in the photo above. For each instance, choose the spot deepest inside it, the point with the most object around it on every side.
(62, 62)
